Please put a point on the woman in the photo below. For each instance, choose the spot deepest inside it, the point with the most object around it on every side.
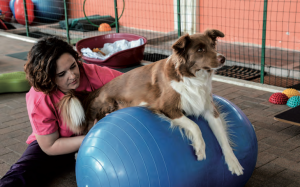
(53, 68)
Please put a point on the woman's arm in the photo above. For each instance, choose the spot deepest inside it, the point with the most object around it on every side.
(51, 144)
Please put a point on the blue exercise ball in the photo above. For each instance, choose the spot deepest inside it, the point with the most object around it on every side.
(134, 147)
(48, 11)
(12, 7)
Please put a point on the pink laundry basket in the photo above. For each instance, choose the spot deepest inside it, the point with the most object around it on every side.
(121, 59)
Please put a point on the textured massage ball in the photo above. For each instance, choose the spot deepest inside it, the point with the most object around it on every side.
(294, 101)
(278, 98)
(290, 92)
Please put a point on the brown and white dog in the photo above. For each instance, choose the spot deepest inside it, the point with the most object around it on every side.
(174, 87)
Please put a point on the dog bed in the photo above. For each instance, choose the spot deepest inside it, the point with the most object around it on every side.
(121, 59)
(81, 24)
(14, 82)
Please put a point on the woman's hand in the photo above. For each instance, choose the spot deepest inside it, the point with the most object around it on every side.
(95, 121)
(52, 144)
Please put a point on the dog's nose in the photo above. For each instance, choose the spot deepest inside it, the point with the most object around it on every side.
(221, 59)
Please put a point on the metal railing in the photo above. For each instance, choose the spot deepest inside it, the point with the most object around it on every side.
(259, 35)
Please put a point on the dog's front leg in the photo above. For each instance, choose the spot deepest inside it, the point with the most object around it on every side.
(218, 127)
(193, 132)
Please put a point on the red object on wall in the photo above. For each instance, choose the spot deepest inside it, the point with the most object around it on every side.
(278, 98)
(20, 13)
(4, 6)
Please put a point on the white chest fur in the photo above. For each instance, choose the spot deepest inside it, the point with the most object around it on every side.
(195, 93)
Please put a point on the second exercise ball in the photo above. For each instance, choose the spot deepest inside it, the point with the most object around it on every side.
(20, 13)
(5, 10)
(48, 11)
(12, 7)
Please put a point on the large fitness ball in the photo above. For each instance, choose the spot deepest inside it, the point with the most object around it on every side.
(19, 12)
(134, 147)
(12, 7)
(5, 10)
(48, 11)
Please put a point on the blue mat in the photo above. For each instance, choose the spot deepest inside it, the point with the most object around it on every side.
(21, 56)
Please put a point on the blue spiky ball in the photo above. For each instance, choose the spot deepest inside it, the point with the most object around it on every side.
(294, 101)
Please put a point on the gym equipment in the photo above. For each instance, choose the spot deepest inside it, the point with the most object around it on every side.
(135, 147)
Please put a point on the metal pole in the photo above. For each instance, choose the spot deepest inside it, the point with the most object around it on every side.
(178, 18)
(26, 18)
(116, 17)
(263, 45)
(66, 20)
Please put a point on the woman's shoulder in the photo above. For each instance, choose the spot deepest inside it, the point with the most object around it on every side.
(34, 94)
(103, 73)
(36, 99)
(89, 68)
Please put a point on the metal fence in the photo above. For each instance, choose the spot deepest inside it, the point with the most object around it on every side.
(261, 43)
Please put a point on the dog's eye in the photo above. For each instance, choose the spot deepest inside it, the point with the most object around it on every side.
(201, 50)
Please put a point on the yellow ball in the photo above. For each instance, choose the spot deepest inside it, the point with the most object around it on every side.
(290, 92)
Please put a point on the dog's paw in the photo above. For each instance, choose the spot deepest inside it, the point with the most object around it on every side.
(199, 148)
(201, 155)
(234, 165)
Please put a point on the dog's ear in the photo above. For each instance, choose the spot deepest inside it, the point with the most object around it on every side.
(181, 43)
(179, 49)
(213, 34)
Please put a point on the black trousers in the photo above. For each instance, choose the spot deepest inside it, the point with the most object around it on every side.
(35, 168)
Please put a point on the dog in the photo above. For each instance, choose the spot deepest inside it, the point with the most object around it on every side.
(174, 87)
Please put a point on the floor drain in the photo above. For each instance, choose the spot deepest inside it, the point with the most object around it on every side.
(153, 57)
(239, 72)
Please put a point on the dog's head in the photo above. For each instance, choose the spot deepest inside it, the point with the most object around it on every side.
(192, 53)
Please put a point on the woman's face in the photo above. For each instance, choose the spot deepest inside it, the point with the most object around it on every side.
(67, 73)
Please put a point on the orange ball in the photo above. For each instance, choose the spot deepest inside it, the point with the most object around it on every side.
(104, 27)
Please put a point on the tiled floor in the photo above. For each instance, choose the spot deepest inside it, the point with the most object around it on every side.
(279, 143)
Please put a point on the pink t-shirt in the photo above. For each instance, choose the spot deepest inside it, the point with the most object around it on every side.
(43, 115)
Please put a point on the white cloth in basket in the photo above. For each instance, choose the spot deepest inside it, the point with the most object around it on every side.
(111, 48)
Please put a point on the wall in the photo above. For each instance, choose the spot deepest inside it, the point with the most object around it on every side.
(240, 20)
(153, 15)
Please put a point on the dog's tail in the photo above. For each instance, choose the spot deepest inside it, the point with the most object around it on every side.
(72, 112)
